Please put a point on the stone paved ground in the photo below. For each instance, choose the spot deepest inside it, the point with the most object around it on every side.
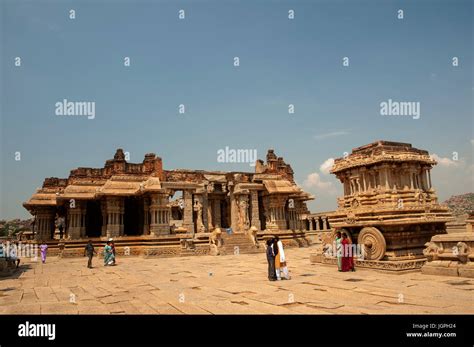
(227, 284)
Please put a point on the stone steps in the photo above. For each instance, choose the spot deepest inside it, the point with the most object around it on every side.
(240, 240)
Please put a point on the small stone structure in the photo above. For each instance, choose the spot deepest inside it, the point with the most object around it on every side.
(451, 254)
(389, 208)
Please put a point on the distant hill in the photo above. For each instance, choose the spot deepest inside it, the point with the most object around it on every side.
(461, 205)
(12, 227)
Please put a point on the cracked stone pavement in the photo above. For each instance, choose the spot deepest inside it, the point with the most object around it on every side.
(233, 284)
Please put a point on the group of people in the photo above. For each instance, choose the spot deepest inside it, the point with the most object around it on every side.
(109, 253)
(277, 268)
(344, 254)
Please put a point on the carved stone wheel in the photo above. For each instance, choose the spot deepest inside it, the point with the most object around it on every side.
(373, 242)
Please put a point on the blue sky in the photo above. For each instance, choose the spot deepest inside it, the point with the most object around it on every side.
(190, 62)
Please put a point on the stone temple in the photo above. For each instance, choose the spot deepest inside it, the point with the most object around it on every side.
(126, 199)
(389, 206)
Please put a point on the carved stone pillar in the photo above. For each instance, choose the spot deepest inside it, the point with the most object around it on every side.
(77, 220)
(277, 213)
(234, 212)
(44, 223)
(255, 222)
(242, 201)
(311, 227)
(160, 212)
(115, 210)
(188, 211)
(210, 214)
(199, 209)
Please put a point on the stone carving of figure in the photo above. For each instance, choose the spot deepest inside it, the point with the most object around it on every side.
(243, 212)
(215, 241)
(198, 209)
(420, 197)
(462, 252)
(253, 236)
(431, 251)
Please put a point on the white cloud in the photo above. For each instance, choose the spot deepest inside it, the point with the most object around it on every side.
(446, 162)
(472, 142)
(313, 180)
(326, 166)
(326, 135)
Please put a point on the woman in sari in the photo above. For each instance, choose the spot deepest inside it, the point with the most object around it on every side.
(109, 258)
(338, 250)
(347, 264)
(43, 249)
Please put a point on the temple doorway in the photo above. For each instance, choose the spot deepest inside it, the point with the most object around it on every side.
(133, 216)
(225, 213)
(93, 218)
(261, 212)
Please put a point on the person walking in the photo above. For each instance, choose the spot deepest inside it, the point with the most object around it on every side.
(271, 261)
(89, 251)
(43, 249)
(112, 244)
(109, 258)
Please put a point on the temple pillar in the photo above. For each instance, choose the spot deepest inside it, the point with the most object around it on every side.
(188, 211)
(323, 219)
(210, 214)
(311, 227)
(114, 216)
(160, 212)
(77, 220)
(255, 221)
(277, 213)
(201, 213)
(44, 223)
(234, 211)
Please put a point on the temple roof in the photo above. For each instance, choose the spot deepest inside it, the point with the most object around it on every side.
(41, 199)
(122, 185)
(280, 187)
(380, 152)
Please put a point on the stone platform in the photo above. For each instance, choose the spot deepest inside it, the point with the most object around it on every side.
(177, 245)
(231, 284)
(398, 266)
(450, 255)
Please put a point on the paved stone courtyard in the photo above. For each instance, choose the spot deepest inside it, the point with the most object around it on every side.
(234, 284)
